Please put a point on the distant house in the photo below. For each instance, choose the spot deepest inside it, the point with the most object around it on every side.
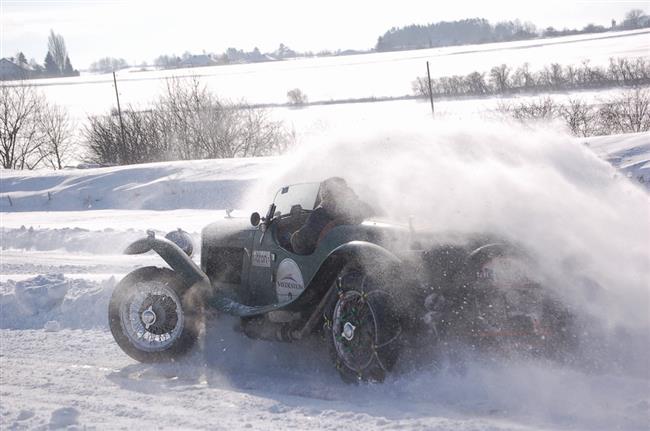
(198, 61)
(10, 70)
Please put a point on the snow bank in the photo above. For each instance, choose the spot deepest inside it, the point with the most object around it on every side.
(628, 153)
(69, 239)
(213, 184)
(199, 184)
(53, 301)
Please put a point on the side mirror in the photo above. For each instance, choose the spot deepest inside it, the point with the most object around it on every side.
(255, 218)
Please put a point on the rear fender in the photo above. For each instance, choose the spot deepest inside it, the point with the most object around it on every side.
(486, 252)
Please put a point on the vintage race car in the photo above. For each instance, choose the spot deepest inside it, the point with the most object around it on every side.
(371, 290)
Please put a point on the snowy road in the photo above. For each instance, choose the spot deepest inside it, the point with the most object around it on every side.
(76, 375)
(80, 377)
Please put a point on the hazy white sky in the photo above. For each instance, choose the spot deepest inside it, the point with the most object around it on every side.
(140, 30)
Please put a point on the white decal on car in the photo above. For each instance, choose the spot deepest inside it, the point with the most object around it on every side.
(289, 282)
(262, 258)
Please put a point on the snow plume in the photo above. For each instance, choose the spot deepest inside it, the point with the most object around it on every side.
(586, 225)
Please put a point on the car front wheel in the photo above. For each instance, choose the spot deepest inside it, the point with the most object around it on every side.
(150, 317)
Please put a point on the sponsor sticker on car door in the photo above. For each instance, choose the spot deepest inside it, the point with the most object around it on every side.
(262, 258)
(289, 283)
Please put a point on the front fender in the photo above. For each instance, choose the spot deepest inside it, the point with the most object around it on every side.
(173, 255)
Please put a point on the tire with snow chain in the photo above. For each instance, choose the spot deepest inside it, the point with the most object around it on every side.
(362, 328)
(151, 317)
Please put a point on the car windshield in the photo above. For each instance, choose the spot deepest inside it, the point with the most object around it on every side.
(298, 194)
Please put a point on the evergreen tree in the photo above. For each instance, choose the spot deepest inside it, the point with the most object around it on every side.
(50, 66)
(20, 58)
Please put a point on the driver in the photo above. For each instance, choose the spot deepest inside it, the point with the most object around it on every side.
(338, 204)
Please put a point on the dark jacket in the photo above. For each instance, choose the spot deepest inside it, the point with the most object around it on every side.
(304, 240)
(353, 211)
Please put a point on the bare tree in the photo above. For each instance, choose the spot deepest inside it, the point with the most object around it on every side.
(195, 121)
(634, 18)
(56, 47)
(534, 110)
(580, 117)
(144, 138)
(108, 64)
(500, 77)
(475, 83)
(56, 130)
(260, 135)
(556, 75)
(296, 97)
(186, 122)
(627, 113)
(20, 139)
(421, 87)
(523, 78)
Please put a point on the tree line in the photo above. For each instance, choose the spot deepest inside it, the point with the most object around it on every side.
(503, 79)
(234, 56)
(186, 122)
(56, 63)
(449, 33)
(480, 30)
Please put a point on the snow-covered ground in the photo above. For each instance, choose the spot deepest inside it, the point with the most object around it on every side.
(62, 234)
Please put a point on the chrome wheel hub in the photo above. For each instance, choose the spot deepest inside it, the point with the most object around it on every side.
(152, 316)
(348, 331)
(354, 330)
(148, 317)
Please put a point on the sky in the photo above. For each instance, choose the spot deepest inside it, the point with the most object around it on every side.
(140, 30)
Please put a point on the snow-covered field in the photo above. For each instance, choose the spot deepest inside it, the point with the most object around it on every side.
(62, 234)
(335, 78)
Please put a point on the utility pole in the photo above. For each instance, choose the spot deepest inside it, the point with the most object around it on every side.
(119, 109)
(433, 112)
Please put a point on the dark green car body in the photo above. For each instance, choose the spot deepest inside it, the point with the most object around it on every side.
(248, 270)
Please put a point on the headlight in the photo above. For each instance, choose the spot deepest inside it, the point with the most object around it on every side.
(181, 239)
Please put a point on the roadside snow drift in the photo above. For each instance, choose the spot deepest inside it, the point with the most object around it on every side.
(198, 184)
(53, 301)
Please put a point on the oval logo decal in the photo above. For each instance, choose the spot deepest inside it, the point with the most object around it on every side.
(289, 283)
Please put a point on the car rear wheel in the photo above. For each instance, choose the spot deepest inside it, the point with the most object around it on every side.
(150, 317)
(503, 306)
(362, 329)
